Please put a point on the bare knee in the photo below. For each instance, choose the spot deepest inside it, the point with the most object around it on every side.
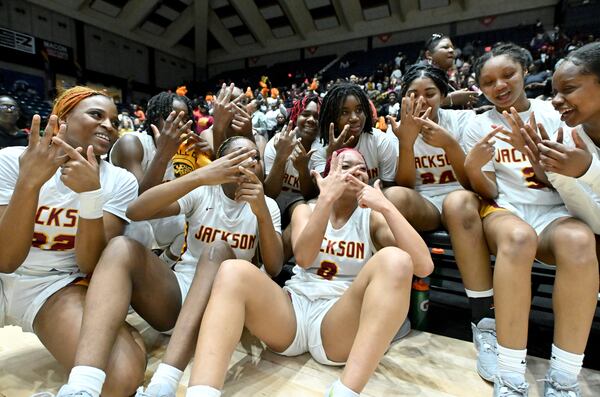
(235, 274)
(576, 238)
(462, 208)
(400, 196)
(518, 242)
(121, 251)
(396, 266)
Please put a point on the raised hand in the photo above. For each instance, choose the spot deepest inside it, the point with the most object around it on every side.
(285, 142)
(223, 109)
(333, 185)
(435, 135)
(483, 151)
(79, 174)
(341, 141)
(42, 158)
(251, 191)
(300, 158)
(408, 129)
(199, 145)
(514, 136)
(561, 159)
(369, 196)
(241, 124)
(173, 133)
(226, 168)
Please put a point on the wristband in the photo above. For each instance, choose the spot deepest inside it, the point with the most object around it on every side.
(90, 204)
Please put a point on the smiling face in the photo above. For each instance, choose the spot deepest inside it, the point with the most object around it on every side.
(353, 114)
(442, 55)
(501, 81)
(308, 123)
(93, 121)
(577, 96)
(425, 90)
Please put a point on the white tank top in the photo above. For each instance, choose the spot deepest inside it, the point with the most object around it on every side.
(343, 253)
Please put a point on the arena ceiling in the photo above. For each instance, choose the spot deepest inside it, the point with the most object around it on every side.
(212, 31)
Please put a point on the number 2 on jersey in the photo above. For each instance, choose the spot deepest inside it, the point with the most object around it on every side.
(328, 270)
(531, 180)
(62, 242)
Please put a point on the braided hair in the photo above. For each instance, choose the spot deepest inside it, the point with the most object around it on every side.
(301, 104)
(518, 54)
(161, 105)
(419, 71)
(332, 108)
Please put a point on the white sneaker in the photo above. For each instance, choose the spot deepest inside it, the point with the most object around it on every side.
(559, 384)
(484, 339)
(504, 387)
(156, 390)
(65, 391)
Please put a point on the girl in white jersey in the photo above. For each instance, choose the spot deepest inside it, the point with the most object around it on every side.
(572, 163)
(356, 255)
(59, 191)
(288, 162)
(530, 222)
(227, 216)
(147, 154)
(431, 161)
(346, 120)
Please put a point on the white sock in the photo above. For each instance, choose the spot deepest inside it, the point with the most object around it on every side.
(202, 391)
(167, 377)
(86, 378)
(479, 294)
(512, 363)
(338, 389)
(566, 362)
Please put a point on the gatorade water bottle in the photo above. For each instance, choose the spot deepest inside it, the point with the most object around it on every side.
(185, 161)
(419, 303)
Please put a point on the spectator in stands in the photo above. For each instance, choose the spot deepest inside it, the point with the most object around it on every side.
(536, 79)
(439, 51)
(346, 313)
(281, 122)
(139, 113)
(10, 133)
(528, 220)
(204, 120)
(72, 202)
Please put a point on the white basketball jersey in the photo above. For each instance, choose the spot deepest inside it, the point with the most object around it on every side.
(380, 152)
(53, 243)
(149, 152)
(343, 253)
(290, 189)
(581, 195)
(211, 215)
(514, 174)
(434, 174)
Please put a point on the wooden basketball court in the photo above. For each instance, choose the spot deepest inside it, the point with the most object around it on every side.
(422, 364)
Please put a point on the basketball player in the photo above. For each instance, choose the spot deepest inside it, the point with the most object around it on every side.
(59, 191)
(356, 256)
(530, 221)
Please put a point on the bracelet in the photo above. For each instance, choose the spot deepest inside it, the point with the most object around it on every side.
(90, 204)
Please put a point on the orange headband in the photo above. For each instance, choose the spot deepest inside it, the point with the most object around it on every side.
(66, 101)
